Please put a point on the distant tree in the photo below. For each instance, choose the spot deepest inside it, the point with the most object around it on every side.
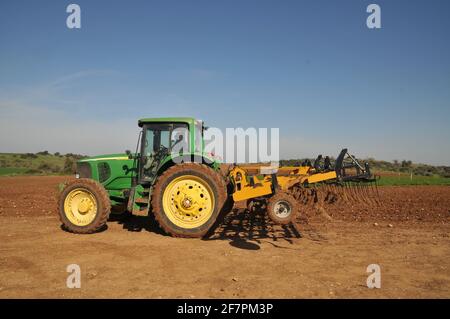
(42, 153)
(32, 171)
(45, 167)
(76, 156)
(406, 163)
(69, 165)
(28, 155)
(57, 154)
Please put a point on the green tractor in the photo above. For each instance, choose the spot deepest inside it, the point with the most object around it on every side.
(168, 175)
(171, 176)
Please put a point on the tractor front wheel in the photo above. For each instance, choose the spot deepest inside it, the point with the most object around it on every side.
(84, 206)
(187, 199)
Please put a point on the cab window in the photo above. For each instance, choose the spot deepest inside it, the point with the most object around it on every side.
(160, 136)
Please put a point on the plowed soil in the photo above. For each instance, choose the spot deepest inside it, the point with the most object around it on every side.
(325, 254)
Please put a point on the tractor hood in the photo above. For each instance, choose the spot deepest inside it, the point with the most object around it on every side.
(114, 171)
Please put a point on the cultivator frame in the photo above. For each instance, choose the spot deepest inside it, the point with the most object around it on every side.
(255, 182)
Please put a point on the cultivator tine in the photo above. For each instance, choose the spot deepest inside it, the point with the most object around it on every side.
(367, 195)
(339, 193)
(332, 193)
(359, 192)
(350, 192)
(376, 194)
(343, 193)
(327, 195)
(364, 195)
(353, 183)
(316, 197)
(329, 198)
(373, 196)
(311, 196)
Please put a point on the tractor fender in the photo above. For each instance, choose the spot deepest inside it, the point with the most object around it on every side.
(186, 158)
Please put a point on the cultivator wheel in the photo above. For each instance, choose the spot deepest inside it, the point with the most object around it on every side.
(282, 208)
(187, 199)
(84, 206)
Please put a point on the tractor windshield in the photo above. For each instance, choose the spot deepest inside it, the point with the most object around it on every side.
(163, 137)
(159, 140)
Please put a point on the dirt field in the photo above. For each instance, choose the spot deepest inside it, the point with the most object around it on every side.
(324, 256)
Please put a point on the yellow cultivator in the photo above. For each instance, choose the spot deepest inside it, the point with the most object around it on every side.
(325, 181)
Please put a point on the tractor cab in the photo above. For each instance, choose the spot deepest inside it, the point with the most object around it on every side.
(164, 141)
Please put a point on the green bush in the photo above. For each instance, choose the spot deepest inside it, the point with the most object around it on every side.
(33, 171)
(44, 167)
(28, 156)
(70, 165)
(75, 156)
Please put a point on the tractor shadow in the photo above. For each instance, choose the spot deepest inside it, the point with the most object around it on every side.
(243, 229)
(134, 223)
(248, 230)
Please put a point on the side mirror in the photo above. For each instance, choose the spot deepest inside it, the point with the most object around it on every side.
(179, 139)
(128, 152)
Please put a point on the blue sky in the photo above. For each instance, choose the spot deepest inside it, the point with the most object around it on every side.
(311, 68)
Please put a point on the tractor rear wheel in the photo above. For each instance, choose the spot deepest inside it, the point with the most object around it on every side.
(282, 208)
(84, 206)
(187, 199)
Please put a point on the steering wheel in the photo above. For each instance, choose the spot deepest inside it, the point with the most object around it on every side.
(163, 149)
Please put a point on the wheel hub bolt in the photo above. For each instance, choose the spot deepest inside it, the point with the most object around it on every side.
(187, 203)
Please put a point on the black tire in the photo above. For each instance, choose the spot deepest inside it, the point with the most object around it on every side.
(215, 181)
(102, 201)
(282, 208)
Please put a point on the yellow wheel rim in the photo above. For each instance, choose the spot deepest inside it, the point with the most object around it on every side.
(188, 201)
(80, 207)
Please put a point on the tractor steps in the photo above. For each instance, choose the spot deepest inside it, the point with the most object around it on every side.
(142, 204)
(141, 212)
(142, 200)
